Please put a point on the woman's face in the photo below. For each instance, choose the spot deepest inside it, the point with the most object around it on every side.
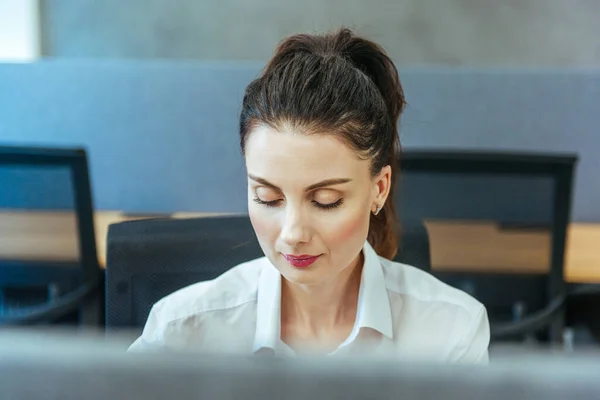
(309, 200)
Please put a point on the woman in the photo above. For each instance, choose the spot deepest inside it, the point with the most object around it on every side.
(319, 134)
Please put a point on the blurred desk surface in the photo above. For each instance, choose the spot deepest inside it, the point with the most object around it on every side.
(455, 245)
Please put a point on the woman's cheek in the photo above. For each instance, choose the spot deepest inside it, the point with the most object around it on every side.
(264, 223)
(347, 230)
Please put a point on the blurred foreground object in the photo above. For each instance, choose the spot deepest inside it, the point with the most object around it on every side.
(43, 366)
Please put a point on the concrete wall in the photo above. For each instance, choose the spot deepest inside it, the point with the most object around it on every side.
(510, 33)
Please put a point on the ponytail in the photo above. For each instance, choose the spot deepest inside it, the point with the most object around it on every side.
(373, 61)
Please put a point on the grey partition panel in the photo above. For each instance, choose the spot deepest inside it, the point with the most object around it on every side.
(163, 136)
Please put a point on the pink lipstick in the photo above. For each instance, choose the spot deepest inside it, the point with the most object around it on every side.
(301, 260)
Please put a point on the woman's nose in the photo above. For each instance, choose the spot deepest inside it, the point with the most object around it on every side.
(294, 229)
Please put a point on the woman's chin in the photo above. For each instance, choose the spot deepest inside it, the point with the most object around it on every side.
(300, 277)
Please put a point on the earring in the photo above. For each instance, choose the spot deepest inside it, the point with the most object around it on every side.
(377, 209)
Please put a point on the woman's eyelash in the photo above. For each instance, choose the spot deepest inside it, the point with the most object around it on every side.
(272, 203)
(275, 203)
(329, 206)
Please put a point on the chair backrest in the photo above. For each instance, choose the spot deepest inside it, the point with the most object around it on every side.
(151, 258)
(47, 240)
(496, 222)
(413, 244)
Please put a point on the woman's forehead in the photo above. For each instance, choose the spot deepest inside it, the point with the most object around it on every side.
(281, 155)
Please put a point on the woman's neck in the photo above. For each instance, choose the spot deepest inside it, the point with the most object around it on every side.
(315, 312)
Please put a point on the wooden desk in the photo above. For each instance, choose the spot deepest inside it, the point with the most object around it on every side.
(472, 246)
(52, 236)
(582, 258)
(455, 245)
(476, 246)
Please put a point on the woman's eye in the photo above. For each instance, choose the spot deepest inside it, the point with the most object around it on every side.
(328, 206)
(276, 203)
(271, 203)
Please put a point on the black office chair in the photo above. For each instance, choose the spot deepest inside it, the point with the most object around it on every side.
(149, 259)
(413, 246)
(37, 184)
(582, 307)
(516, 193)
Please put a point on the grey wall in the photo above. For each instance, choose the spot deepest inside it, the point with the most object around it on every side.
(162, 136)
(514, 33)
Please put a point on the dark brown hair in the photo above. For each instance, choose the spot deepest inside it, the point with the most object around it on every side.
(338, 84)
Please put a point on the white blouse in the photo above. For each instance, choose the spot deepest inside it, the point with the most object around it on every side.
(403, 312)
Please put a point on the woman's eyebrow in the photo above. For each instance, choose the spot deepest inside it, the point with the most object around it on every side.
(318, 185)
(328, 182)
(263, 181)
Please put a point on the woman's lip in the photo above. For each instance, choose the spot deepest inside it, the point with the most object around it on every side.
(299, 256)
(302, 260)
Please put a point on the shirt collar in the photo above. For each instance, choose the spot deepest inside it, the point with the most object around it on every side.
(268, 306)
(374, 309)
(373, 303)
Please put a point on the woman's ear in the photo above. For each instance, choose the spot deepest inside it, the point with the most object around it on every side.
(382, 184)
